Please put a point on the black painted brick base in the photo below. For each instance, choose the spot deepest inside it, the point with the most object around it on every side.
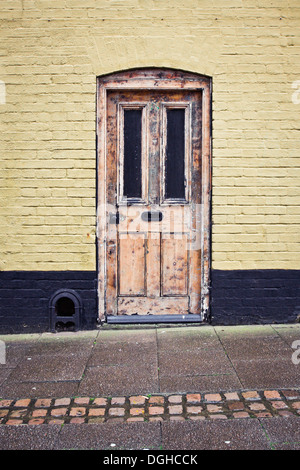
(255, 296)
(25, 296)
(237, 297)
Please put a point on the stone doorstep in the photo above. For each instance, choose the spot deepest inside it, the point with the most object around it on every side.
(157, 407)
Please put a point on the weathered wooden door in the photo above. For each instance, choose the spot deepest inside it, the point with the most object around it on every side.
(153, 201)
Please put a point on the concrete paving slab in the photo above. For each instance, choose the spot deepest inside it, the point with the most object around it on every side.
(243, 434)
(122, 352)
(60, 389)
(60, 347)
(45, 368)
(196, 383)
(193, 359)
(267, 373)
(289, 333)
(122, 362)
(256, 348)
(188, 338)
(134, 336)
(253, 342)
(239, 331)
(283, 433)
(119, 380)
(197, 362)
(113, 436)
(15, 353)
(44, 365)
(28, 437)
(4, 373)
(202, 370)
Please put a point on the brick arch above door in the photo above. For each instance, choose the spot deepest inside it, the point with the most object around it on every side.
(200, 54)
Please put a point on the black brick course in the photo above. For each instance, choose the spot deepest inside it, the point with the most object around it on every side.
(25, 296)
(255, 296)
(237, 297)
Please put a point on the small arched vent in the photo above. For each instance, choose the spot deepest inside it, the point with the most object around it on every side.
(65, 311)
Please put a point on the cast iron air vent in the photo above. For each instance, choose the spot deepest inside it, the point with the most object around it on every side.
(65, 311)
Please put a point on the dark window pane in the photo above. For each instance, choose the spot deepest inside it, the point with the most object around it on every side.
(132, 153)
(174, 166)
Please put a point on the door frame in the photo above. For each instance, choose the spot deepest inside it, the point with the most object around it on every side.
(154, 79)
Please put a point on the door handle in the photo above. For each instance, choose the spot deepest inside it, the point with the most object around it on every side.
(150, 216)
(114, 219)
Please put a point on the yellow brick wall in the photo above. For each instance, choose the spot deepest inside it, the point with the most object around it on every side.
(51, 52)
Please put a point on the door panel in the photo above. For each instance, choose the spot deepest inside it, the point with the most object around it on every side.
(174, 265)
(153, 265)
(131, 269)
(153, 191)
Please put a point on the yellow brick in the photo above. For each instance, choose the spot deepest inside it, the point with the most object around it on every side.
(47, 138)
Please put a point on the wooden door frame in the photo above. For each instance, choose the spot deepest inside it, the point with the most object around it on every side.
(153, 79)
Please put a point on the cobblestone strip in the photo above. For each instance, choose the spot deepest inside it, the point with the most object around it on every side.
(174, 407)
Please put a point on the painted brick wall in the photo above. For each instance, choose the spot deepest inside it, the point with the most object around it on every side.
(25, 298)
(51, 53)
(255, 296)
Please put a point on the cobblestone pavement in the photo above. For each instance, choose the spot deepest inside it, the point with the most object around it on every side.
(188, 388)
(160, 407)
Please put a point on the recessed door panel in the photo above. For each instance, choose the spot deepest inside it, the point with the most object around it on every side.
(175, 265)
(131, 268)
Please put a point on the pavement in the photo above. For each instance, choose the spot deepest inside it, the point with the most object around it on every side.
(163, 388)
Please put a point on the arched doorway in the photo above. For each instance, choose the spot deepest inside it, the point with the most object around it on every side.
(154, 186)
